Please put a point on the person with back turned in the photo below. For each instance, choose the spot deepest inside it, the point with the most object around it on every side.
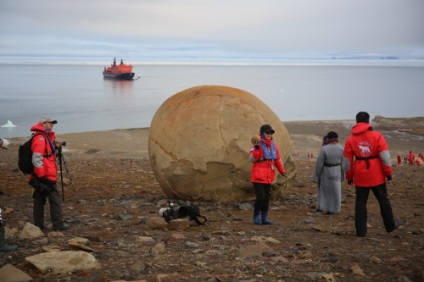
(266, 160)
(329, 173)
(44, 149)
(369, 167)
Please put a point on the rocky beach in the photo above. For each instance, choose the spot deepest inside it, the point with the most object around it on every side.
(113, 200)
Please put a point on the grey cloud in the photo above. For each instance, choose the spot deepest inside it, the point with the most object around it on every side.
(244, 27)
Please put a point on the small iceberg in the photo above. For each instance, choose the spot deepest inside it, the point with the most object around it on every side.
(8, 124)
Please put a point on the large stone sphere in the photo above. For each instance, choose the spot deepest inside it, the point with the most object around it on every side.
(199, 144)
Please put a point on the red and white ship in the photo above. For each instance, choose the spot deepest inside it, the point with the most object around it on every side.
(119, 72)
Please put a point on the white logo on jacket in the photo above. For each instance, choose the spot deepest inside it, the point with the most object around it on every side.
(364, 148)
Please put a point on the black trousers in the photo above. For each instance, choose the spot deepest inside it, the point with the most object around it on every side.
(55, 204)
(262, 192)
(380, 192)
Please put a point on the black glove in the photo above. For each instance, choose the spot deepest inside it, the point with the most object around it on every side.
(389, 177)
(350, 181)
(257, 147)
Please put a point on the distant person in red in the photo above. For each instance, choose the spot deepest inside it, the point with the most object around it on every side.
(369, 167)
(399, 160)
(411, 158)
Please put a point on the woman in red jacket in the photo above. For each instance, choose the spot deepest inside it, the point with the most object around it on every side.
(266, 160)
(369, 167)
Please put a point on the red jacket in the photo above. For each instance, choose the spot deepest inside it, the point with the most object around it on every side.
(264, 171)
(368, 155)
(411, 158)
(43, 157)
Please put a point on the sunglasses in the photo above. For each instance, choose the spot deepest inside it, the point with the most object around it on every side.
(269, 132)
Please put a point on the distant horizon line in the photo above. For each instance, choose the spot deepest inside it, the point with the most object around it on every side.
(198, 58)
(255, 62)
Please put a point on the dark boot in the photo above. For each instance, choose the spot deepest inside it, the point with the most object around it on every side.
(396, 225)
(256, 216)
(62, 227)
(265, 219)
(3, 246)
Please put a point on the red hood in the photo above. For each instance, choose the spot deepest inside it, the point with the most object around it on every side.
(39, 127)
(360, 128)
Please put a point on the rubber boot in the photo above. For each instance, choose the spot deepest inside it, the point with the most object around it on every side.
(4, 248)
(256, 217)
(265, 219)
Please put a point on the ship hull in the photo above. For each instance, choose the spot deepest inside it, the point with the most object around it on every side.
(119, 76)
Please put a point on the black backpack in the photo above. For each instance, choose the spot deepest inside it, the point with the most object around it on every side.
(193, 212)
(25, 155)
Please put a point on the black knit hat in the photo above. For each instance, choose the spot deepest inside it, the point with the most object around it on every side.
(332, 135)
(266, 128)
(362, 117)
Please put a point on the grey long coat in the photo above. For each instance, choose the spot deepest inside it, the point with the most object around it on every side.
(329, 173)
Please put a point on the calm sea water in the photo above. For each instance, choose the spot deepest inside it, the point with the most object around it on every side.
(79, 98)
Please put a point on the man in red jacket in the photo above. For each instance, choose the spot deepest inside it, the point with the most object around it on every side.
(369, 167)
(44, 179)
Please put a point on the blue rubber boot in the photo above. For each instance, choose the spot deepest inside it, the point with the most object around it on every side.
(256, 217)
(265, 219)
(257, 220)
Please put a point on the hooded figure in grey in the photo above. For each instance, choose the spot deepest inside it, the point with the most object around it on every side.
(329, 174)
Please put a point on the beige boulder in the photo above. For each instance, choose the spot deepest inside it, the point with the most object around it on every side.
(200, 139)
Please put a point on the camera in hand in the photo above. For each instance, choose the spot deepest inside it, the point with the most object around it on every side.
(59, 145)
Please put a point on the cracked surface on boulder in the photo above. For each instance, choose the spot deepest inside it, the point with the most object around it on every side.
(200, 139)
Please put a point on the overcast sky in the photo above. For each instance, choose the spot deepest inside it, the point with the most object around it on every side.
(203, 29)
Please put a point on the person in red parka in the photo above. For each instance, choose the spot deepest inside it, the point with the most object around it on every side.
(369, 167)
(399, 160)
(266, 160)
(43, 179)
(411, 158)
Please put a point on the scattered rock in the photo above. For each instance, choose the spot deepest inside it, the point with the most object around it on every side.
(30, 231)
(375, 259)
(179, 224)
(357, 270)
(9, 273)
(80, 246)
(63, 262)
(254, 250)
(156, 222)
(403, 279)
